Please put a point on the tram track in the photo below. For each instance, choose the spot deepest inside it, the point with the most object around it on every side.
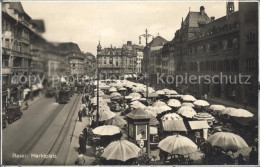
(59, 139)
(40, 132)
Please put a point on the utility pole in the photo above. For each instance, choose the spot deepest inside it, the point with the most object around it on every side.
(146, 36)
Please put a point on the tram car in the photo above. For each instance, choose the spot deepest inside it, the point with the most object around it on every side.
(80, 88)
(63, 95)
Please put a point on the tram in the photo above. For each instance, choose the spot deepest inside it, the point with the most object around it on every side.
(63, 95)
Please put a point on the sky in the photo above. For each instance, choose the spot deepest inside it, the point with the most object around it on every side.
(114, 23)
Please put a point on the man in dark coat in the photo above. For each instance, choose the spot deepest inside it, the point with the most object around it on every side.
(80, 115)
(82, 143)
(85, 132)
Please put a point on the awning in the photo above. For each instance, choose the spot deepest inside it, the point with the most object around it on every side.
(199, 125)
(174, 125)
(153, 130)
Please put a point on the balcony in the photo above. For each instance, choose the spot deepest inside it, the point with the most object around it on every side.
(23, 40)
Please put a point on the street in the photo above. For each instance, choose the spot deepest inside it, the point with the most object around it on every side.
(41, 130)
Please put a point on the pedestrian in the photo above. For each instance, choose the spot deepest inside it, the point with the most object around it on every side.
(241, 160)
(206, 96)
(82, 143)
(80, 159)
(26, 105)
(85, 132)
(80, 115)
(253, 156)
(83, 100)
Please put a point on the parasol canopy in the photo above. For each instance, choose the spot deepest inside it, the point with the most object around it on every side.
(159, 104)
(240, 113)
(174, 103)
(117, 121)
(186, 111)
(216, 107)
(106, 130)
(227, 141)
(115, 94)
(201, 103)
(171, 116)
(188, 98)
(121, 150)
(188, 104)
(137, 104)
(178, 144)
(112, 89)
(203, 116)
(105, 115)
(135, 95)
(137, 89)
(227, 110)
(122, 89)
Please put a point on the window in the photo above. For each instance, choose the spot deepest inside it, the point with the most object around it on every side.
(251, 38)
(229, 44)
(5, 62)
(7, 43)
(224, 44)
(234, 43)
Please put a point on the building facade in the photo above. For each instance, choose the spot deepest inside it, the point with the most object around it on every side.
(216, 53)
(76, 59)
(110, 62)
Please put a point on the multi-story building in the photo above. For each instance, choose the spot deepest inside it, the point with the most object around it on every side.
(75, 57)
(16, 56)
(153, 57)
(139, 58)
(110, 62)
(222, 49)
(90, 64)
(25, 53)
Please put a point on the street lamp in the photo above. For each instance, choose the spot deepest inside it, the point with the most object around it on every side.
(98, 53)
(146, 36)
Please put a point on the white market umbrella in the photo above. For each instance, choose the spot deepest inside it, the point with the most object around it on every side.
(186, 111)
(201, 103)
(171, 116)
(121, 150)
(174, 103)
(216, 107)
(227, 141)
(203, 116)
(187, 104)
(134, 95)
(106, 130)
(240, 113)
(188, 98)
(159, 104)
(177, 144)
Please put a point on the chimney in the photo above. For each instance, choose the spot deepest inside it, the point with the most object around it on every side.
(129, 42)
(202, 10)
(212, 18)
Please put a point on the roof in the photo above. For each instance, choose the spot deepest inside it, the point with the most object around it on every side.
(111, 52)
(69, 47)
(199, 125)
(157, 41)
(174, 125)
(222, 21)
(17, 6)
(195, 19)
(39, 24)
(139, 114)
